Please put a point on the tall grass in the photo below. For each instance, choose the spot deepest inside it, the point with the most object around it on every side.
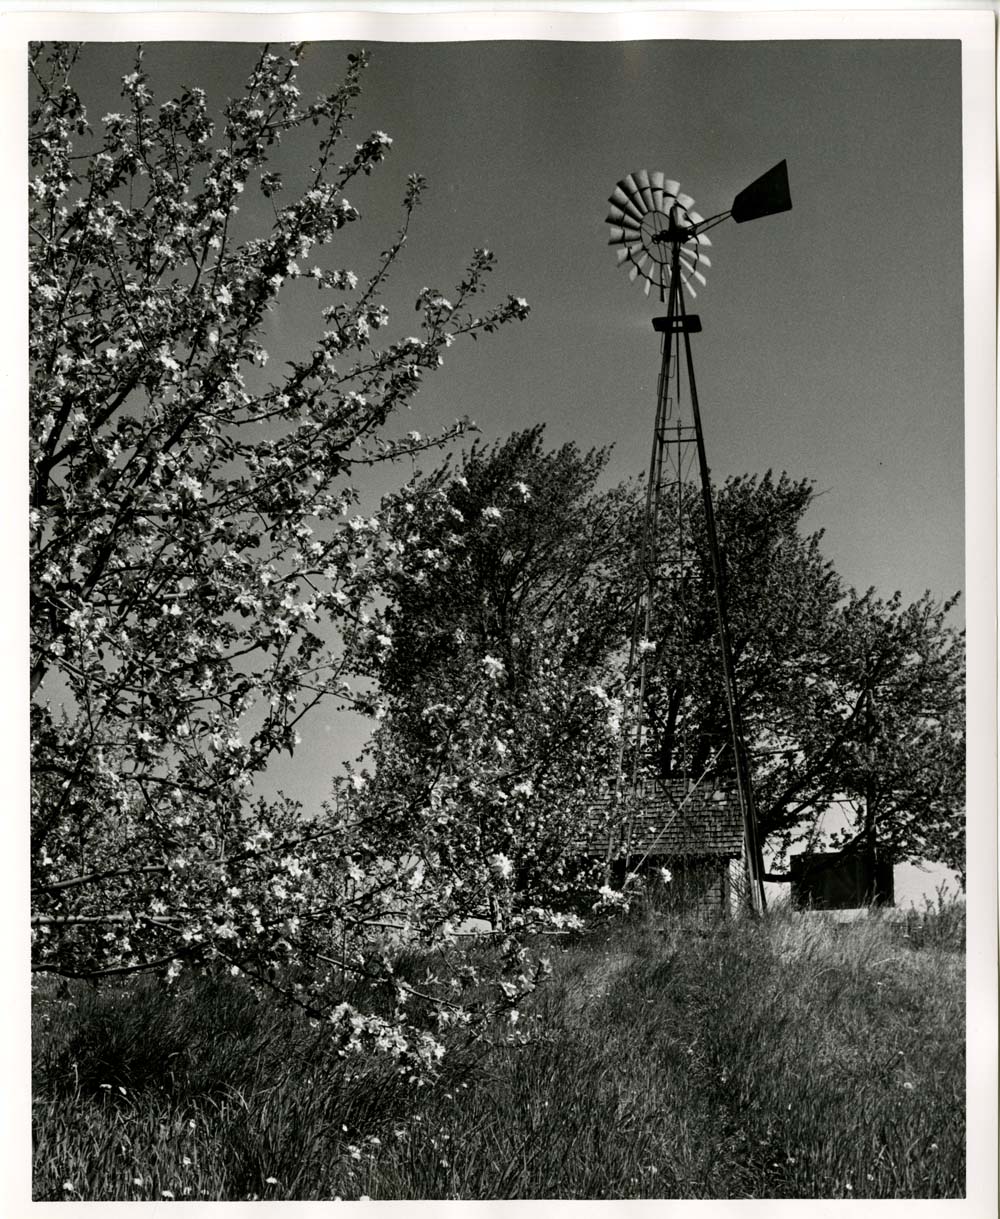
(792, 1058)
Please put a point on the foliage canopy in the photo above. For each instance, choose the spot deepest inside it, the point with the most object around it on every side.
(507, 633)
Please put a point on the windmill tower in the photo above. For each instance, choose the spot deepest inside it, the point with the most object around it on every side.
(663, 242)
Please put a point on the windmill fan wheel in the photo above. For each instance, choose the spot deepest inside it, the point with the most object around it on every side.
(649, 216)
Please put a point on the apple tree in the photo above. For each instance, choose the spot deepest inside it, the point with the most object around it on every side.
(201, 576)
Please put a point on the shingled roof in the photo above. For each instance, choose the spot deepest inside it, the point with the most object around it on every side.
(672, 818)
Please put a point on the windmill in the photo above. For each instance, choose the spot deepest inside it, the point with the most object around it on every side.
(663, 242)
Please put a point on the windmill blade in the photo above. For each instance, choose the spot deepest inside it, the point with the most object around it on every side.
(622, 236)
(670, 187)
(691, 263)
(617, 216)
(619, 199)
(633, 211)
(656, 183)
(685, 201)
(631, 188)
(642, 182)
(692, 273)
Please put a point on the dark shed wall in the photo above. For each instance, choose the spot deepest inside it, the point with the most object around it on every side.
(835, 881)
(699, 885)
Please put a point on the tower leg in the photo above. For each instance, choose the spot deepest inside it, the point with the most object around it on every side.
(754, 854)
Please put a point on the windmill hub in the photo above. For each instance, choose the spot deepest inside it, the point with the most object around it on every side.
(673, 233)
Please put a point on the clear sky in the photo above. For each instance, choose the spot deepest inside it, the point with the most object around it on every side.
(832, 342)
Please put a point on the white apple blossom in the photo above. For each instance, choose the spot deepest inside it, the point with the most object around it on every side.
(501, 866)
(494, 668)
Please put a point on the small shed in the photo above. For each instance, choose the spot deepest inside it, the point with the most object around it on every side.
(695, 830)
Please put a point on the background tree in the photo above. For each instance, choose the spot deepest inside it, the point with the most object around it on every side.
(781, 594)
(199, 577)
(847, 700)
(893, 692)
(505, 624)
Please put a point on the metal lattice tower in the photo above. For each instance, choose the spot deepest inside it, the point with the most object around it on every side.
(662, 239)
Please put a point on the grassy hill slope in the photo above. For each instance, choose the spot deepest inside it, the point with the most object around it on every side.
(796, 1058)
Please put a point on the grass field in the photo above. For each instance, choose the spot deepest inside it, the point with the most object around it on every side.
(796, 1058)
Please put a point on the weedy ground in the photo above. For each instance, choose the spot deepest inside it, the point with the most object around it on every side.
(794, 1058)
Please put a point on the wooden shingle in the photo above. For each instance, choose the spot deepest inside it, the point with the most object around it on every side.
(676, 818)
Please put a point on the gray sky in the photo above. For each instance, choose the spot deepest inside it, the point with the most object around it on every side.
(832, 343)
